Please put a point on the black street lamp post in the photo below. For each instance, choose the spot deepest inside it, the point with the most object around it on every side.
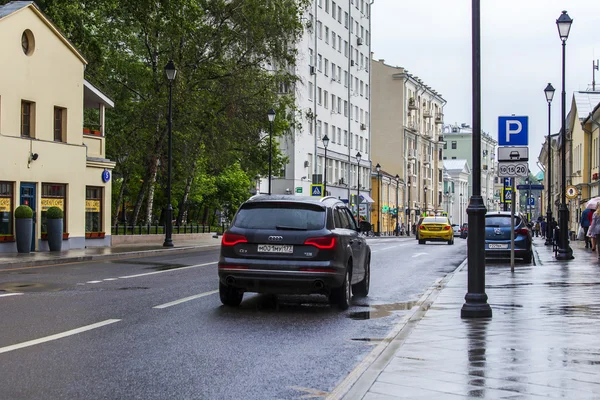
(325, 144)
(408, 215)
(271, 115)
(171, 72)
(378, 169)
(549, 92)
(447, 196)
(397, 205)
(476, 305)
(564, 250)
(425, 199)
(358, 157)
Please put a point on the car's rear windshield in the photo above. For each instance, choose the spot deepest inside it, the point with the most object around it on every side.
(500, 220)
(435, 220)
(282, 216)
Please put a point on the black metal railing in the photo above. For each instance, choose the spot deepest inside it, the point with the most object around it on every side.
(156, 229)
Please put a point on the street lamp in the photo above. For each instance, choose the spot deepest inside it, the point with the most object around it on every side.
(358, 157)
(476, 305)
(549, 92)
(397, 207)
(564, 250)
(271, 115)
(425, 199)
(171, 72)
(408, 215)
(325, 144)
(378, 169)
(447, 196)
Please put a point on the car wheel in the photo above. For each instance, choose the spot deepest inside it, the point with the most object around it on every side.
(527, 259)
(450, 242)
(361, 289)
(421, 241)
(341, 296)
(230, 296)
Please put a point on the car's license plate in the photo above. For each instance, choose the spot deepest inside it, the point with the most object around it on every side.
(497, 246)
(275, 248)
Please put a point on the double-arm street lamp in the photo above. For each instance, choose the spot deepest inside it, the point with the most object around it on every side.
(171, 72)
(325, 144)
(564, 250)
(358, 157)
(549, 92)
(378, 169)
(271, 115)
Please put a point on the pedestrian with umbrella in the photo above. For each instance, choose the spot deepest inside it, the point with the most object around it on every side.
(585, 222)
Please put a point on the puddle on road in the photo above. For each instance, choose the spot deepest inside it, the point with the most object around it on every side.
(381, 310)
(29, 287)
(133, 288)
(371, 340)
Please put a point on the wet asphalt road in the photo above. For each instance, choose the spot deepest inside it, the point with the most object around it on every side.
(283, 347)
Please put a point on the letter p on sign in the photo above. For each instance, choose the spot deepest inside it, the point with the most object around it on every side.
(513, 131)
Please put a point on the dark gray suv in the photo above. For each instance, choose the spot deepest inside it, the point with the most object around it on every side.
(284, 244)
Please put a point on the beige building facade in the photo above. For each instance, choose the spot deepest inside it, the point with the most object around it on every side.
(406, 125)
(50, 155)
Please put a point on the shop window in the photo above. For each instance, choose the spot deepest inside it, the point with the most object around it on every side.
(93, 209)
(6, 207)
(53, 195)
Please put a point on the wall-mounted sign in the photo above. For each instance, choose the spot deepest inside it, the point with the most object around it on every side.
(52, 202)
(105, 176)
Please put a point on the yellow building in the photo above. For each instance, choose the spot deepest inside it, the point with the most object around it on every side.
(47, 156)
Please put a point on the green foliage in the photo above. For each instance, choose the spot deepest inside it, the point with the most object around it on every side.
(54, 213)
(23, 211)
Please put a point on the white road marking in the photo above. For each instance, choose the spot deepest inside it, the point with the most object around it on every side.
(197, 296)
(167, 270)
(419, 254)
(111, 279)
(57, 336)
(10, 294)
(94, 282)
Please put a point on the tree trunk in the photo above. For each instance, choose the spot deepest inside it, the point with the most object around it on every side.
(117, 214)
(151, 188)
(183, 207)
(138, 204)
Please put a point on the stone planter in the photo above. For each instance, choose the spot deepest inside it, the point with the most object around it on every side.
(55, 234)
(23, 234)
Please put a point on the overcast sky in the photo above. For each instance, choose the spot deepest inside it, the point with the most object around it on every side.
(520, 53)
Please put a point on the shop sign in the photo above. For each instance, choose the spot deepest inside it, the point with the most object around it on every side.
(47, 203)
(92, 206)
(5, 204)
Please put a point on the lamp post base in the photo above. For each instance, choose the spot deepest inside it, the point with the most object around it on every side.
(564, 250)
(565, 254)
(168, 243)
(549, 230)
(476, 306)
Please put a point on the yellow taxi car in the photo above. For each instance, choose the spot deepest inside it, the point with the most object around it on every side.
(435, 229)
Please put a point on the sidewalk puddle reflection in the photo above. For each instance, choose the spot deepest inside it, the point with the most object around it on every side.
(381, 310)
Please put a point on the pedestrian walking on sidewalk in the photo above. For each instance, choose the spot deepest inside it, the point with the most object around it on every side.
(585, 222)
(594, 230)
(543, 226)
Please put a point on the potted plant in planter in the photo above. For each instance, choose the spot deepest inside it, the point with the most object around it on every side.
(23, 228)
(54, 224)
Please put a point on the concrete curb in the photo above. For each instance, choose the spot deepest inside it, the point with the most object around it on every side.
(359, 381)
(93, 257)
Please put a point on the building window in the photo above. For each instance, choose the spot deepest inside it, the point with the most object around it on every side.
(6, 207)
(59, 124)
(93, 209)
(27, 114)
(445, 146)
(53, 195)
(454, 145)
(27, 42)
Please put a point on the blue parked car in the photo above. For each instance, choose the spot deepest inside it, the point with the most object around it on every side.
(497, 236)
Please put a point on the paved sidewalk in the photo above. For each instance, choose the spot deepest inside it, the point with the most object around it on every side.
(16, 260)
(542, 340)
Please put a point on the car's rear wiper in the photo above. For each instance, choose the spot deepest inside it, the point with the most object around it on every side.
(289, 228)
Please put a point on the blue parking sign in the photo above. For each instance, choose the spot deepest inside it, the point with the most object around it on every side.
(513, 131)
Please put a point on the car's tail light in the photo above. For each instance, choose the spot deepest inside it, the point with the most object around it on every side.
(324, 242)
(422, 227)
(330, 270)
(522, 231)
(231, 239)
(447, 228)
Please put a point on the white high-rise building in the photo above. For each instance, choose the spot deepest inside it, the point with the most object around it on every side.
(333, 98)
